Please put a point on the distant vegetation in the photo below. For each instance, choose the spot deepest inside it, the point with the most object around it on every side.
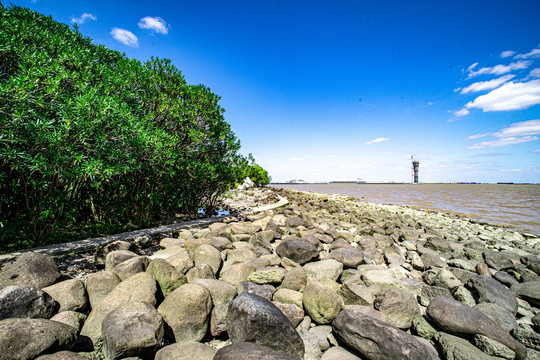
(91, 140)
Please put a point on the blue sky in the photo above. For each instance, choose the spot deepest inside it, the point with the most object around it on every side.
(342, 90)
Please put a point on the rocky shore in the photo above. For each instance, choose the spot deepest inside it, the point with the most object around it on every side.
(321, 277)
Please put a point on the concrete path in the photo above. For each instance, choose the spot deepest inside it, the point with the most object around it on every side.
(133, 236)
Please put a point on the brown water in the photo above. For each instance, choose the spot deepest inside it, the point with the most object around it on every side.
(517, 206)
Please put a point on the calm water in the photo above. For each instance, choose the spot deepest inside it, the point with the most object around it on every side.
(515, 205)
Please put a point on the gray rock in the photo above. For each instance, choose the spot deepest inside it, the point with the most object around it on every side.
(187, 311)
(99, 285)
(168, 277)
(207, 254)
(64, 355)
(133, 329)
(349, 257)
(423, 328)
(399, 307)
(139, 287)
(221, 292)
(131, 267)
(186, 351)
(294, 279)
(28, 338)
(455, 348)
(438, 244)
(321, 303)
(330, 269)
(202, 271)
(322, 333)
(457, 318)
(504, 278)
(532, 262)
(18, 301)
(70, 294)
(298, 250)
(339, 353)
(116, 257)
(353, 294)
(501, 259)
(103, 250)
(218, 319)
(237, 273)
(267, 276)
(71, 318)
(488, 290)
(530, 339)
(528, 291)
(492, 347)
(500, 315)
(251, 351)
(429, 293)
(30, 269)
(265, 291)
(312, 351)
(376, 340)
(252, 318)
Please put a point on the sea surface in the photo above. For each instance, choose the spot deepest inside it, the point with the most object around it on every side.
(516, 206)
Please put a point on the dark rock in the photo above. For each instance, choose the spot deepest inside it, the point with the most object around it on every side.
(488, 290)
(532, 262)
(103, 250)
(292, 312)
(252, 318)
(295, 221)
(376, 340)
(501, 259)
(64, 355)
(431, 261)
(528, 338)
(349, 257)
(298, 250)
(251, 351)
(29, 338)
(500, 315)
(438, 244)
(528, 291)
(265, 291)
(505, 278)
(294, 279)
(133, 329)
(429, 293)
(18, 301)
(457, 318)
(30, 269)
(456, 348)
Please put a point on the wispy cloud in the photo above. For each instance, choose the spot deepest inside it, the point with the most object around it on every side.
(479, 136)
(530, 127)
(461, 113)
(503, 142)
(500, 69)
(154, 24)
(534, 53)
(535, 73)
(377, 140)
(124, 36)
(487, 85)
(510, 96)
(82, 19)
(508, 53)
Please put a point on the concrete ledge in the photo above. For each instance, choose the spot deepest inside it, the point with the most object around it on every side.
(133, 236)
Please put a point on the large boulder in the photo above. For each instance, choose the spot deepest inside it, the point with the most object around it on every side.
(298, 250)
(207, 254)
(99, 285)
(71, 318)
(376, 340)
(488, 290)
(26, 339)
(251, 351)
(400, 307)
(116, 257)
(330, 269)
(528, 291)
(237, 273)
(349, 257)
(186, 351)
(187, 311)
(265, 291)
(131, 267)
(139, 287)
(252, 318)
(70, 294)
(221, 292)
(18, 301)
(30, 269)
(457, 318)
(168, 277)
(321, 302)
(133, 329)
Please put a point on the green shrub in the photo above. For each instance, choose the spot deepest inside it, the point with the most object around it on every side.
(92, 139)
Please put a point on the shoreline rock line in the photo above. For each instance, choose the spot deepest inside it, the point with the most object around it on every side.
(315, 277)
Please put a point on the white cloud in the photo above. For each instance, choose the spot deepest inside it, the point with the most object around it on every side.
(508, 53)
(470, 68)
(500, 69)
(487, 85)
(478, 136)
(461, 113)
(535, 73)
(530, 127)
(155, 24)
(503, 142)
(126, 37)
(82, 19)
(377, 140)
(534, 53)
(510, 96)
(536, 151)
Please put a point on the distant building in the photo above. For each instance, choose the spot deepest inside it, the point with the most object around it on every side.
(415, 165)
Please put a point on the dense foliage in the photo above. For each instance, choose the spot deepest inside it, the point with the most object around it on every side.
(90, 139)
(255, 172)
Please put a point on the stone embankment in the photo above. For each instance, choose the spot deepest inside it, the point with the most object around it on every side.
(322, 277)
